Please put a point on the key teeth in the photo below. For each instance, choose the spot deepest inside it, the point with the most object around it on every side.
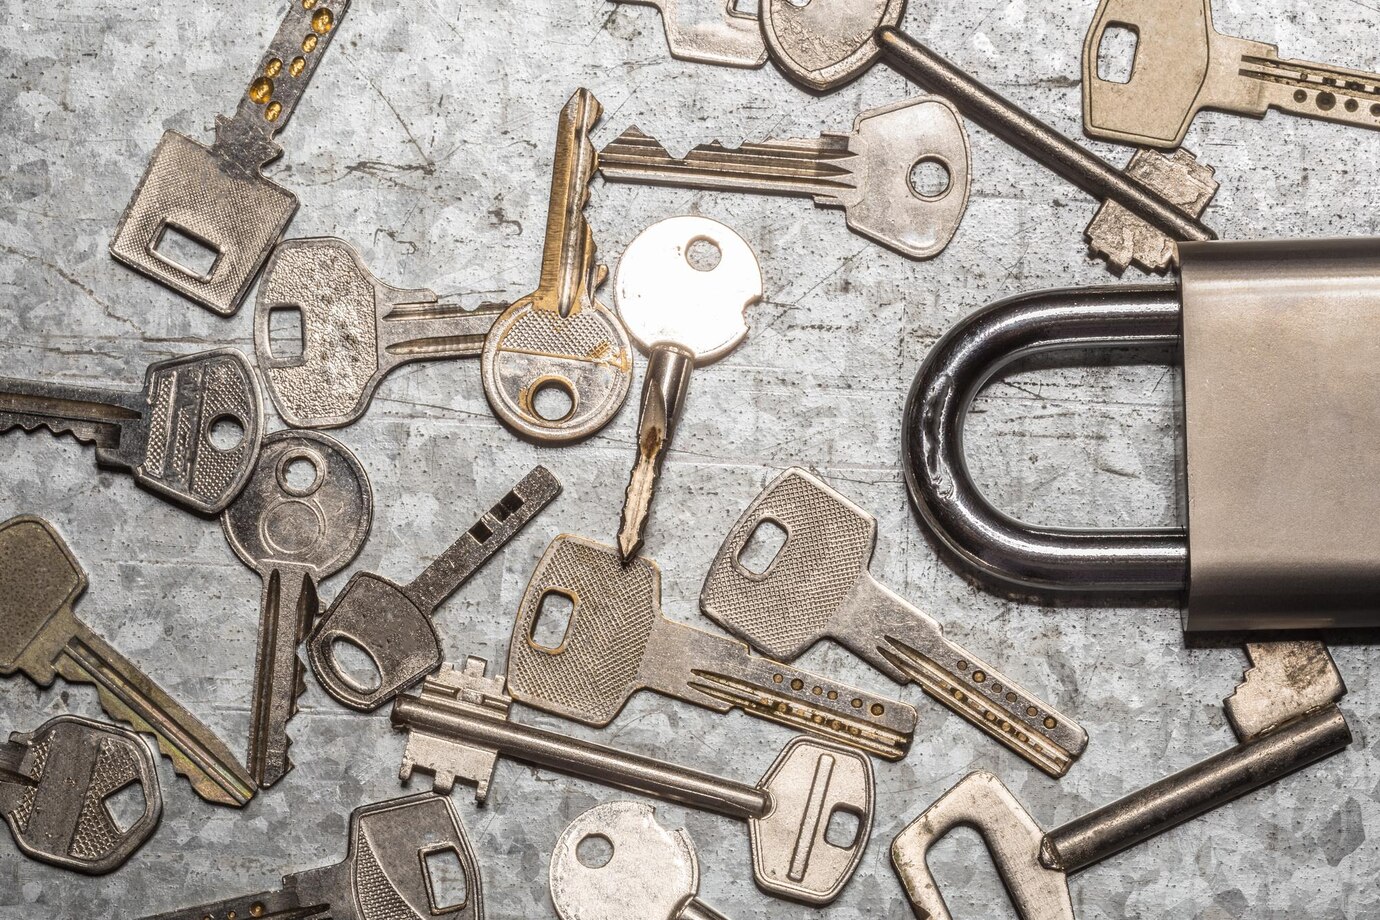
(83, 432)
(1124, 239)
(1286, 680)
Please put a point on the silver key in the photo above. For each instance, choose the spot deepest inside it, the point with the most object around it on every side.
(683, 317)
(191, 435)
(617, 642)
(303, 516)
(218, 196)
(458, 726)
(731, 39)
(818, 586)
(873, 173)
(651, 873)
(1035, 865)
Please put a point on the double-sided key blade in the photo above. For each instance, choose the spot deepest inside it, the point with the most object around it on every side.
(40, 579)
(818, 586)
(617, 642)
(1123, 238)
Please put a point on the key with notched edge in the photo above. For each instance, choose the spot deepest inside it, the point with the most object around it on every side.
(818, 586)
(41, 637)
(617, 642)
(218, 196)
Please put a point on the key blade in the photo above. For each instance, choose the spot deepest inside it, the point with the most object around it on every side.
(1349, 97)
(447, 698)
(1286, 680)
(1124, 238)
(288, 609)
(567, 261)
(99, 417)
(268, 905)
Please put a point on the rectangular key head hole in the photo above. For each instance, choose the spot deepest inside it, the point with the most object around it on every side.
(1116, 53)
(750, 8)
(185, 251)
(126, 806)
(447, 887)
(845, 824)
(762, 547)
(552, 622)
(286, 338)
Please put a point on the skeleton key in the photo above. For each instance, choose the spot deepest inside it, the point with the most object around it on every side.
(391, 623)
(652, 873)
(41, 636)
(55, 783)
(617, 642)
(1182, 65)
(732, 40)
(191, 435)
(1035, 865)
(458, 726)
(294, 532)
(818, 586)
(872, 173)
(386, 874)
(682, 317)
(218, 196)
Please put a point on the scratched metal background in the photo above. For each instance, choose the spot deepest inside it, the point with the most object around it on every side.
(426, 140)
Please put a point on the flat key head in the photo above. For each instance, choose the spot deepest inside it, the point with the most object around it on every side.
(808, 784)
(40, 579)
(823, 44)
(980, 801)
(664, 299)
(77, 765)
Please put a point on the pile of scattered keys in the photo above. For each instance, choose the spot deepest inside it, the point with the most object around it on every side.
(1268, 554)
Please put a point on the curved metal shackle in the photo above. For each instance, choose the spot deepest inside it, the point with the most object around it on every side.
(995, 545)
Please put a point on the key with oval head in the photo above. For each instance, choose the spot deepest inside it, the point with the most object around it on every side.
(458, 726)
(818, 586)
(683, 317)
(1035, 865)
(41, 637)
(651, 873)
(190, 435)
(55, 787)
(872, 172)
(303, 516)
(392, 871)
(617, 642)
(391, 623)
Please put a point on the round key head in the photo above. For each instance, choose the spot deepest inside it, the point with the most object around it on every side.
(670, 291)
(824, 44)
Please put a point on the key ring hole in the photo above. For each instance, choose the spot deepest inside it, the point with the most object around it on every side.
(930, 178)
(355, 666)
(226, 433)
(703, 254)
(301, 472)
(553, 399)
(594, 851)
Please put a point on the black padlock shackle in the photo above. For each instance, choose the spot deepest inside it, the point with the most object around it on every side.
(995, 545)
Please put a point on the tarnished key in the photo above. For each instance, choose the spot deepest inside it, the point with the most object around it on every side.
(1035, 865)
(41, 637)
(458, 726)
(191, 435)
(391, 623)
(617, 642)
(731, 39)
(217, 197)
(818, 586)
(652, 873)
(398, 852)
(55, 787)
(1182, 65)
(901, 175)
(683, 317)
(303, 516)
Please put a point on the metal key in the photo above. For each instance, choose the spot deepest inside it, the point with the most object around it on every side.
(386, 874)
(41, 637)
(218, 196)
(818, 587)
(167, 434)
(458, 726)
(1035, 865)
(683, 317)
(733, 39)
(294, 532)
(870, 172)
(617, 642)
(55, 783)
(1183, 65)
(652, 873)
(391, 623)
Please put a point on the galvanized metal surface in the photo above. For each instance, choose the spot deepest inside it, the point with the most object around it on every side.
(426, 141)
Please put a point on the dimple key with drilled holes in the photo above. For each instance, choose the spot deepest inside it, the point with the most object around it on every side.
(391, 623)
(55, 786)
(41, 637)
(458, 726)
(191, 435)
(683, 317)
(731, 40)
(818, 586)
(617, 642)
(387, 874)
(303, 516)
(1183, 65)
(869, 172)
(217, 196)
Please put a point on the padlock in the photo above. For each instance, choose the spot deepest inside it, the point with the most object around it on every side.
(1280, 347)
